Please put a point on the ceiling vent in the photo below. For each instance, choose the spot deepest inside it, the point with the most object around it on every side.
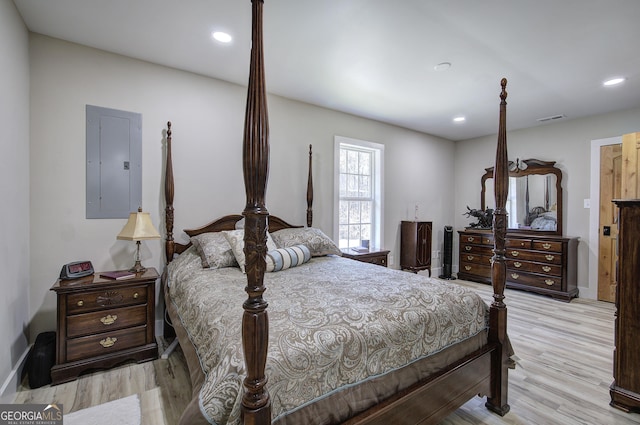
(552, 118)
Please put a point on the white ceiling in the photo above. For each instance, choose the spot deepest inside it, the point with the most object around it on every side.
(376, 58)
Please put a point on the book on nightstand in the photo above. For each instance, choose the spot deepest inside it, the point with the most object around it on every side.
(118, 275)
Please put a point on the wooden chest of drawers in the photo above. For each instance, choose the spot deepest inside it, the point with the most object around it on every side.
(544, 264)
(103, 322)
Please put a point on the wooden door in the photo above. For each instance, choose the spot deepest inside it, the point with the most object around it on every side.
(631, 166)
(610, 188)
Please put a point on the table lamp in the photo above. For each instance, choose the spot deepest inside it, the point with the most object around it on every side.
(139, 227)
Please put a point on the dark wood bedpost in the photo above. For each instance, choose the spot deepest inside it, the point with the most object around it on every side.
(169, 246)
(310, 191)
(497, 402)
(256, 404)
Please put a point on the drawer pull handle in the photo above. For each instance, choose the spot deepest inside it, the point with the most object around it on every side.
(471, 239)
(135, 296)
(517, 264)
(468, 248)
(546, 245)
(549, 282)
(109, 319)
(546, 268)
(108, 342)
(549, 257)
(470, 257)
(515, 253)
(80, 303)
(515, 275)
(467, 268)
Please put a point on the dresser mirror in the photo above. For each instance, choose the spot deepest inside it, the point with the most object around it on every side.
(535, 196)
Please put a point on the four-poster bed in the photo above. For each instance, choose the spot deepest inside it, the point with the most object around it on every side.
(352, 368)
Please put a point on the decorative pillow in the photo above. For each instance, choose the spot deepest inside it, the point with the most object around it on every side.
(236, 240)
(214, 250)
(318, 243)
(284, 258)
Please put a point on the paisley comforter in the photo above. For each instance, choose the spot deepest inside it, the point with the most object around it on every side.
(334, 324)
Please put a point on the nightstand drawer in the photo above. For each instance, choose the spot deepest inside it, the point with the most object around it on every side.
(110, 298)
(106, 320)
(105, 343)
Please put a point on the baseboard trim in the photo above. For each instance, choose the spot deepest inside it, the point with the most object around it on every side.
(12, 383)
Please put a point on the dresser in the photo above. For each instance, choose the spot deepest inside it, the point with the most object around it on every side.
(625, 389)
(103, 322)
(373, 257)
(545, 264)
(415, 246)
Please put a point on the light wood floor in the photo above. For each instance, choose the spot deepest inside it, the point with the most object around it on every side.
(564, 355)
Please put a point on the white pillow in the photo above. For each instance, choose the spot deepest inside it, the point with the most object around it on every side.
(236, 240)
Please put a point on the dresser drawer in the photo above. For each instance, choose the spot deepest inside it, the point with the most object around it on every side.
(105, 343)
(110, 298)
(106, 320)
(550, 269)
(552, 246)
(518, 243)
(476, 269)
(548, 282)
(518, 265)
(475, 258)
(542, 257)
(476, 249)
(473, 239)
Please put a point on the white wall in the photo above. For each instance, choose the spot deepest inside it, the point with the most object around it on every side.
(14, 192)
(569, 144)
(208, 118)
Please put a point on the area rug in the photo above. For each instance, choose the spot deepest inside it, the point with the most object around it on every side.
(124, 411)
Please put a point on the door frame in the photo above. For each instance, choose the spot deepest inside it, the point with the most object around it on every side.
(594, 214)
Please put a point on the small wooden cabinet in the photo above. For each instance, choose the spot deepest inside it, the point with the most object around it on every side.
(546, 264)
(373, 257)
(415, 246)
(625, 389)
(103, 322)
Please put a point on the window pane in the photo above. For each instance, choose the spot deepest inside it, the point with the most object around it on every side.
(343, 185)
(365, 212)
(365, 163)
(365, 231)
(354, 212)
(352, 185)
(354, 235)
(352, 162)
(365, 187)
(343, 161)
(344, 212)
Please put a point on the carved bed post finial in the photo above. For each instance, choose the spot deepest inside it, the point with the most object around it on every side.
(497, 402)
(256, 403)
(310, 191)
(168, 195)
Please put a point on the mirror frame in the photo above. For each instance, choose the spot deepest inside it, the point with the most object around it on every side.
(529, 167)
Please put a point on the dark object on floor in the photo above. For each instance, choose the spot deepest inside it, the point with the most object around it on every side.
(41, 359)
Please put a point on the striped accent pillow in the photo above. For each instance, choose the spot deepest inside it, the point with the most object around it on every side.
(283, 258)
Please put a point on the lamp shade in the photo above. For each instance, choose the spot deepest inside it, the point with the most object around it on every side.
(139, 227)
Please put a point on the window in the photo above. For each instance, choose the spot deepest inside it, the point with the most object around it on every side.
(358, 182)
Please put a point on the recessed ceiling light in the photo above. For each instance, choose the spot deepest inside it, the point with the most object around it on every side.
(459, 119)
(442, 66)
(614, 81)
(222, 37)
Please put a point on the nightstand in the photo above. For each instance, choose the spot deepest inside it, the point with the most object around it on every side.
(104, 322)
(373, 257)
